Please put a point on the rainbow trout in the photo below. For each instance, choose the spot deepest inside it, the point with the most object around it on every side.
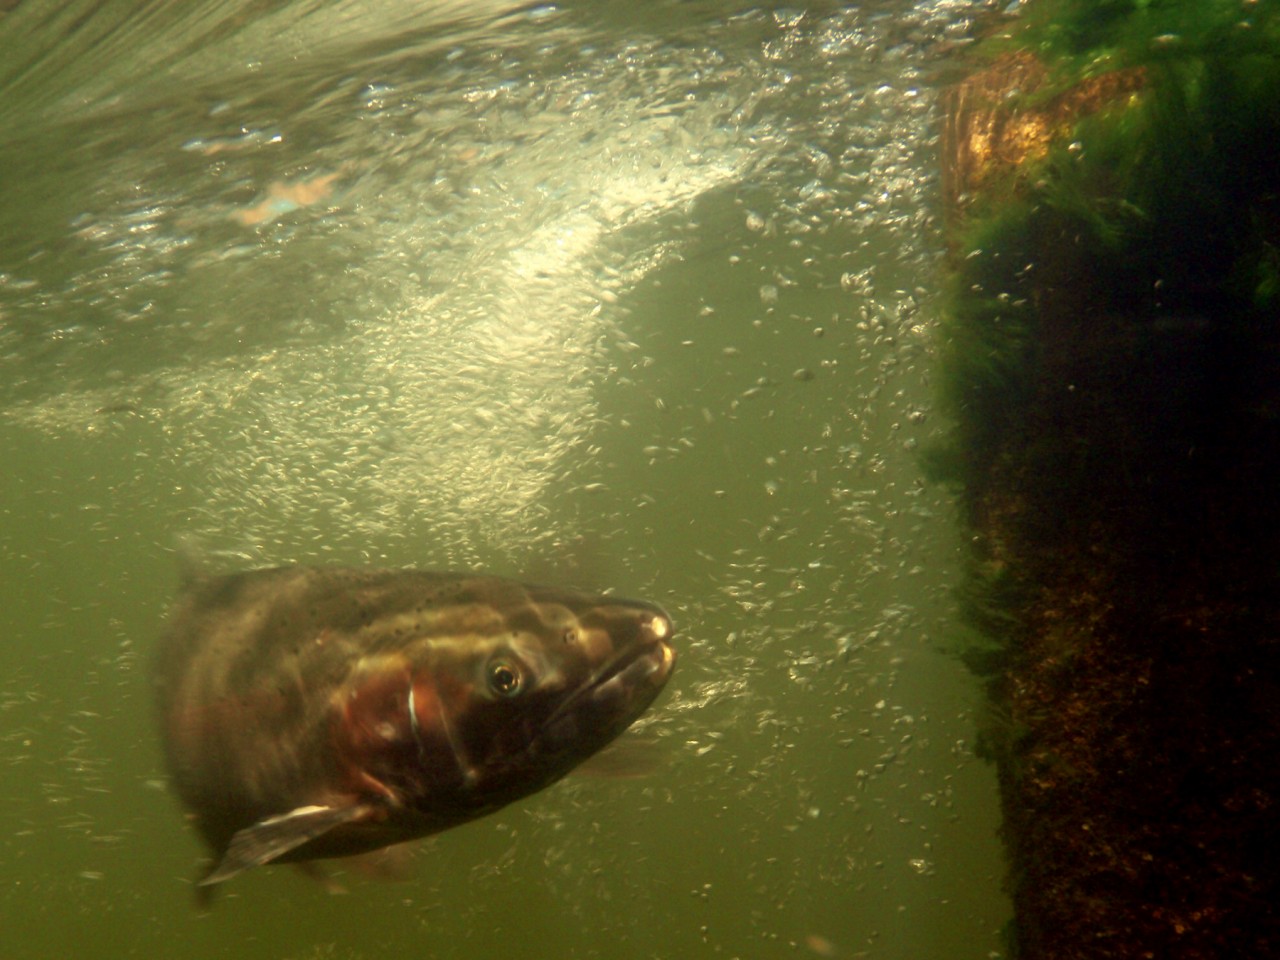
(322, 712)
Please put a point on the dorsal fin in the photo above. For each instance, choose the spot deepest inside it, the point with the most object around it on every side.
(193, 563)
(197, 561)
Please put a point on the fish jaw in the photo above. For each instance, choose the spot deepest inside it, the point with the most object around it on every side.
(616, 694)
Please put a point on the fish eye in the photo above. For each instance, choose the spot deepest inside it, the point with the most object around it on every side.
(504, 678)
(570, 635)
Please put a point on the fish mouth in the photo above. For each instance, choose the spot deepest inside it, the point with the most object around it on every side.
(643, 665)
(619, 691)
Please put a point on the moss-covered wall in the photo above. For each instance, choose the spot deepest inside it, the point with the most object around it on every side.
(1111, 358)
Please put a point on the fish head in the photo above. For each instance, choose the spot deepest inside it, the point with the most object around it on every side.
(522, 687)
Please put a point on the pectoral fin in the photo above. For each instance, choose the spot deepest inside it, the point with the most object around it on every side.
(272, 838)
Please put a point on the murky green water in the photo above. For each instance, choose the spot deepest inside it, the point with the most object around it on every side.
(642, 288)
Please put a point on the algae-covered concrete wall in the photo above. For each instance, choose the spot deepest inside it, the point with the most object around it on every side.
(1111, 357)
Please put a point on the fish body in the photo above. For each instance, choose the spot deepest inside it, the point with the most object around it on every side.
(311, 712)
